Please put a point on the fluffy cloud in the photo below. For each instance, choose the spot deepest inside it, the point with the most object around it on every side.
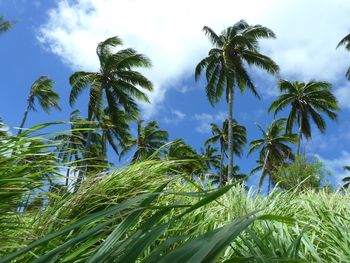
(336, 166)
(175, 117)
(343, 96)
(204, 120)
(169, 32)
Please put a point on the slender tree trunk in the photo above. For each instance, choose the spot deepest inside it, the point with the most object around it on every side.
(230, 133)
(222, 166)
(269, 185)
(25, 115)
(68, 170)
(83, 171)
(263, 172)
(86, 155)
(104, 142)
(299, 137)
(80, 173)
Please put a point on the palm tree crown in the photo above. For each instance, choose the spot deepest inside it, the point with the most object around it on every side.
(225, 65)
(306, 100)
(221, 136)
(273, 146)
(42, 92)
(150, 138)
(212, 159)
(117, 79)
(192, 164)
(4, 25)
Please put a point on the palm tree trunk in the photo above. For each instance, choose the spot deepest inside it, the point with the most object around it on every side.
(86, 154)
(77, 185)
(263, 172)
(299, 137)
(222, 166)
(25, 115)
(68, 170)
(230, 133)
(104, 142)
(269, 185)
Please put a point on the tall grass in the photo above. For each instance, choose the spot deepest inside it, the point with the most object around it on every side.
(150, 212)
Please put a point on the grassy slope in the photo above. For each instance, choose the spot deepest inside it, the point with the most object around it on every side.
(321, 221)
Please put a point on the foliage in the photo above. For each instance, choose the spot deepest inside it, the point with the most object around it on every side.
(128, 217)
(193, 163)
(27, 164)
(303, 174)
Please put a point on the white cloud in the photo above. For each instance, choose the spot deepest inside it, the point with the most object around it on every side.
(175, 117)
(204, 120)
(343, 96)
(169, 32)
(336, 166)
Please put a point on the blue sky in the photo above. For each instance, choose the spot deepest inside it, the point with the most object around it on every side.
(55, 38)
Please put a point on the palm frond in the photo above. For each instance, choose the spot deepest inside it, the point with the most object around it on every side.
(345, 42)
(79, 81)
(213, 37)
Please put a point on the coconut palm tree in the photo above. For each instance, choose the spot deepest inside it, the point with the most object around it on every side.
(70, 146)
(274, 148)
(226, 66)
(117, 82)
(41, 90)
(239, 134)
(238, 177)
(346, 42)
(306, 100)
(150, 138)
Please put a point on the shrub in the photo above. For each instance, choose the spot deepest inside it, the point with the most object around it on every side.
(304, 173)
